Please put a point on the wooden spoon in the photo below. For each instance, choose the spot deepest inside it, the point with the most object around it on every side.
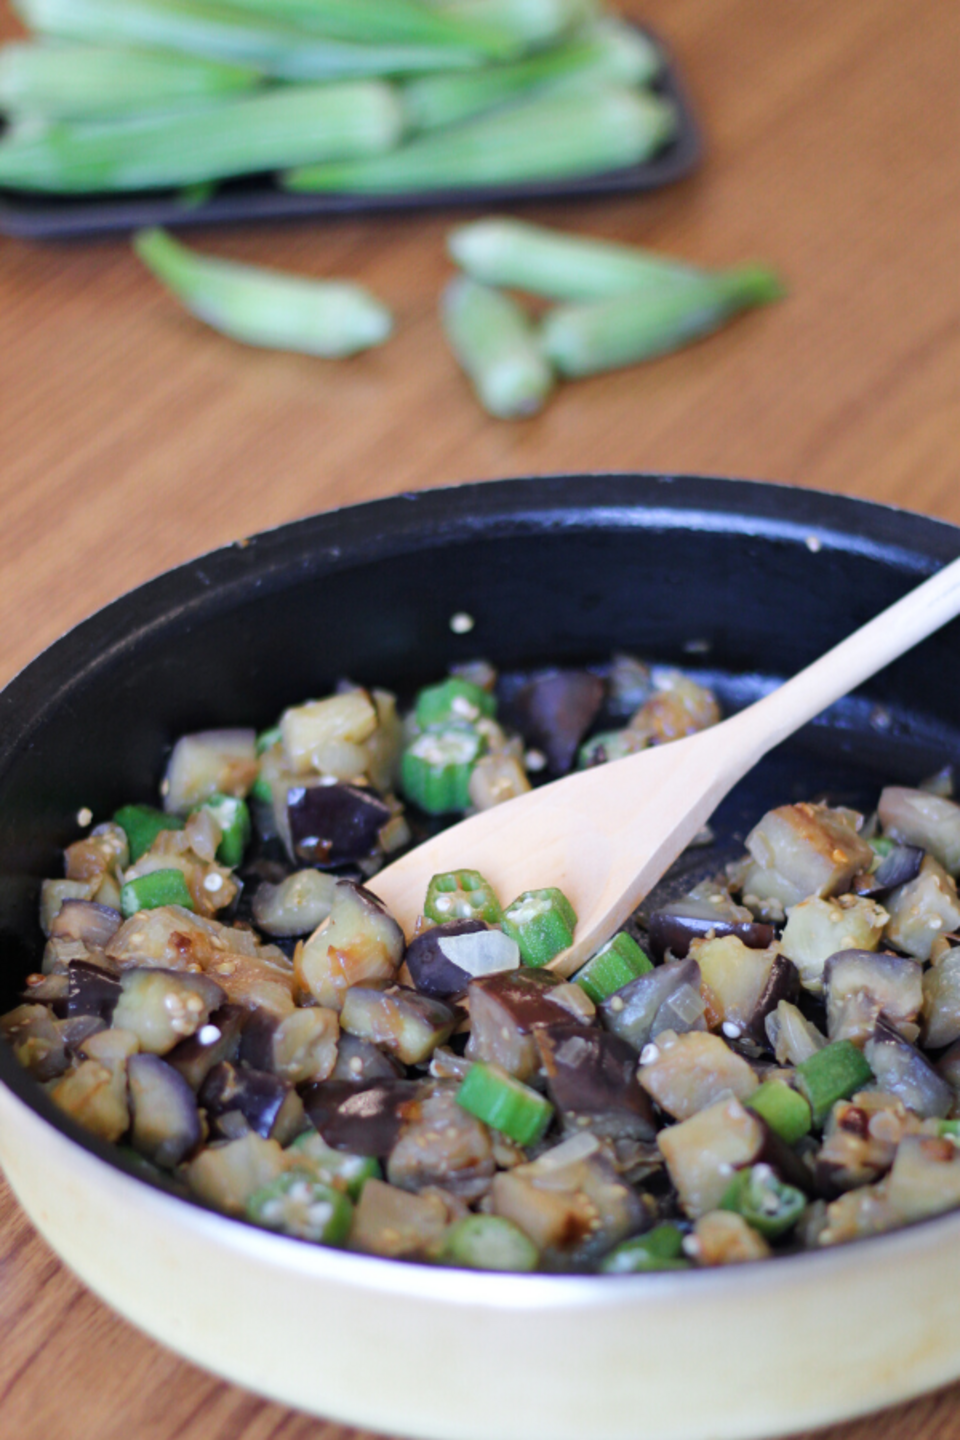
(605, 836)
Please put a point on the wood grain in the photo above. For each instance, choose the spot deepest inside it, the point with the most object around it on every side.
(132, 439)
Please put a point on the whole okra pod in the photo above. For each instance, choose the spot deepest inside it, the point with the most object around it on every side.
(495, 343)
(263, 307)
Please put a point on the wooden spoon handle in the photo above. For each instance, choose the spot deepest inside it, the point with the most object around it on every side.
(838, 672)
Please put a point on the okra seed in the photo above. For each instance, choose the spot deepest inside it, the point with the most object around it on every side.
(213, 882)
(84, 817)
(461, 623)
(650, 1053)
(814, 544)
(208, 1034)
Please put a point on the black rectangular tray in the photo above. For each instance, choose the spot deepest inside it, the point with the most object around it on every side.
(31, 217)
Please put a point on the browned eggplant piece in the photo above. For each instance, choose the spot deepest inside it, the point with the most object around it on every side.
(860, 1141)
(218, 1039)
(862, 985)
(33, 1036)
(358, 943)
(703, 1152)
(91, 991)
(443, 1145)
(666, 998)
(554, 712)
(162, 1007)
(365, 1119)
(77, 1029)
(50, 989)
(85, 920)
(408, 1024)
(268, 1105)
(783, 983)
(901, 1070)
(673, 927)
(360, 1060)
(299, 1048)
(504, 1011)
(393, 1222)
(898, 868)
(592, 1080)
(432, 957)
(686, 1073)
(941, 1001)
(335, 824)
(165, 1121)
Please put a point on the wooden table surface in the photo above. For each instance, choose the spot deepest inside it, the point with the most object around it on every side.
(132, 439)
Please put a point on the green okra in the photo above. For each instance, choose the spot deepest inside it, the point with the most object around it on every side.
(157, 888)
(213, 31)
(504, 1103)
(142, 824)
(495, 344)
(330, 318)
(543, 138)
(607, 52)
(436, 766)
(453, 701)
(658, 1249)
(532, 23)
(834, 1073)
(73, 82)
(558, 265)
(784, 1109)
(461, 895)
(489, 1242)
(542, 922)
(385, 22)
(614, 965)
(764, 1201)
(586, 339)
(267, 130)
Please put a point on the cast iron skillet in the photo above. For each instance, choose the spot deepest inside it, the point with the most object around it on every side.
(745, 581)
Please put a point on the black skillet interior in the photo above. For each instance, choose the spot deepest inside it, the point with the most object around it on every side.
(741, 581)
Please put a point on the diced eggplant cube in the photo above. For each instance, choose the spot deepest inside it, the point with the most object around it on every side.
(37, 1044)
(358, 943)
(654, 1002)
(925, 1179)
(812, 849)
(818, 928)
(898, 868)
(335, 824)
(686, 1073)
(504, 1011)
(218, 1039)
(396, 1223)
(922, 910)
(444, 959)
(364, 1118)
(402, 1021)
(554, 712)
(592, 1081)
(941, 1001)
(268, 1105)
(674, 926)
(360, 1060)
(210, 762)
(901, 1070)
(301, 1047)
(162, 1007)
(165, 1121)
(91, 990)
(862, 985)
(442, 1145)
(917, 817)
(226, 1175)
(296, 906)
(88, 921)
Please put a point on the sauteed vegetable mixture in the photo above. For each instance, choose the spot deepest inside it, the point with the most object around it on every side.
(769, 1063)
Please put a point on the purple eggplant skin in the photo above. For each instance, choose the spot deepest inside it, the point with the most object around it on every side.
(783, 983)
(555, 711)
(776, 1153)
(505, 1009)
(592, 1080)
(671, 929)
(196, 1056)
(900, 1069)
(165, 1121)
(335, 824)
(364, 1119)
(256, 1041)
(432, 973)
(90, 991)
(85, 920)
(898, 868)
(632, 1011)
(359, 1060)
(260, 1098)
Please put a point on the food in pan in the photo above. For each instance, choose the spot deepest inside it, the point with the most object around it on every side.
(765, 1064)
